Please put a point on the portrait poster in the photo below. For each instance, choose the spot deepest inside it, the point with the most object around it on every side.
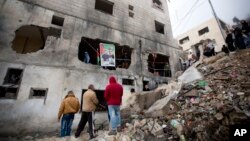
(107, 54)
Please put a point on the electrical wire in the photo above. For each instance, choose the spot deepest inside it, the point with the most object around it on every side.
(189, 12)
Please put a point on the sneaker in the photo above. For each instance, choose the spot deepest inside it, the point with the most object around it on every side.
(112, 132)
(119, 129)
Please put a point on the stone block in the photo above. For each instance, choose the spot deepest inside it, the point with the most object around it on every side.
(192, 93)
(155, 128)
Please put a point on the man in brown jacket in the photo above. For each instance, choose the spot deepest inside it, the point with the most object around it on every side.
(90, 102)
(69, 106)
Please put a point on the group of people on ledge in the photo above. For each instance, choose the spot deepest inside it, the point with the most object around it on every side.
(237, 38)
(70, 105)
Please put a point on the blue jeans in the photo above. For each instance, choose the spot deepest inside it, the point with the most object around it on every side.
(86, 57)
(115, 116)
(66, 124)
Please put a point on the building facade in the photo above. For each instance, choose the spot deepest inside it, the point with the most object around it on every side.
(42, 49)
(207, 30)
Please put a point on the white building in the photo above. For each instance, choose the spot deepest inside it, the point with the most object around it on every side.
(207, 30)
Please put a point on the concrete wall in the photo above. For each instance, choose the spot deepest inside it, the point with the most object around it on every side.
(194, 38)
(57, 66)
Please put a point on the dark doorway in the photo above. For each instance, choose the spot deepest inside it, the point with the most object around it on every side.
(102, 106)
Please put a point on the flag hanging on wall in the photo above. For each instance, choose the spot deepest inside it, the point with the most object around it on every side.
(107, 54)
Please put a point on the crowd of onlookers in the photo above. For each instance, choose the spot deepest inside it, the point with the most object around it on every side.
(237, 38)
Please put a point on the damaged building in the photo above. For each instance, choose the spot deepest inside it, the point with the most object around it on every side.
(42, 49)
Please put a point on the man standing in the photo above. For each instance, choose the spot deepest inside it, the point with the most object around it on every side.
(69, 106)
(90, 102)
(113, 96)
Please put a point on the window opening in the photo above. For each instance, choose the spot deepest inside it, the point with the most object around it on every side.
(159, 27)
(30, 38)
(8, 92)
(102, 106)
(39, 93)
(157, 4)
(131, 14)
(89, 53)
(13, 76)
(57, 20)
(203, 31)
(159, 65)
(184, 40)
(145, 86)
(130, 7)
(128, 82)
(104, 6)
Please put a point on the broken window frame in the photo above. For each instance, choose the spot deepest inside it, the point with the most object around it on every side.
(92, 46)
(6, 88)
(159, 27)
(31, 96)
(158, 67)
(99, 3)
(203, 31)
(184, 40)
(8, 73)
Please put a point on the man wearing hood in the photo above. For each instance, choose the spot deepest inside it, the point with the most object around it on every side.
(113, 96)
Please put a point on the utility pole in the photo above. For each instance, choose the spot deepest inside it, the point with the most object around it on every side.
(217, 19)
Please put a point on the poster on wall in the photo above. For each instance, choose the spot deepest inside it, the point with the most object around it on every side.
(107, 55)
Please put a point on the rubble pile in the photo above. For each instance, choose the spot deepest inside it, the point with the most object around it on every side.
(202, 109)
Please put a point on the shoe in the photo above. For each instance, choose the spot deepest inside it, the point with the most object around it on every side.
(76, 136)
(119, 129)
(91, 137)
(112, 132)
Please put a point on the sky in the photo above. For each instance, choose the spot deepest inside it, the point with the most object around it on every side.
(186, 14)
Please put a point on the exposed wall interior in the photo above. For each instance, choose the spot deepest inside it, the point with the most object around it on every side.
(158, 64)
(122, 53)
(30, 38)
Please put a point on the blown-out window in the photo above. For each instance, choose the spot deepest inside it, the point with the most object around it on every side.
(104, 6)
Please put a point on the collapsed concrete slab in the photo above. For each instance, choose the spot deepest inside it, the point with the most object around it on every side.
(159, 108)
(191, 74)
(140, 101)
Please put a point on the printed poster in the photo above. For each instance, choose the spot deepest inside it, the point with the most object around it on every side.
(107, 55)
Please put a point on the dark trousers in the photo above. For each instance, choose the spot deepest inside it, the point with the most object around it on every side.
(86, 117)
(66, 124)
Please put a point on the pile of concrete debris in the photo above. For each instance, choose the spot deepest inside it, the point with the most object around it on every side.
(209, 97)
